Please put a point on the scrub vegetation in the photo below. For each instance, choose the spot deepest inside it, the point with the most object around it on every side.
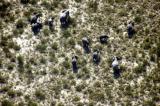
(36, 70)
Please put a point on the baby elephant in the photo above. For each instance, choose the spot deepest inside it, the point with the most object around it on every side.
(64, 18)
(130, 29)
(85, 44)
(36, 28)
(103, 39)
(115, 66)
(96, 57)
(74, 64)
(51, 23)
(34, 18)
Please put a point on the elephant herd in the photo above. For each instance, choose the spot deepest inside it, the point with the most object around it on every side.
(36, 26)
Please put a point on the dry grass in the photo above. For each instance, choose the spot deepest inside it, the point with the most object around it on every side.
(36, 70)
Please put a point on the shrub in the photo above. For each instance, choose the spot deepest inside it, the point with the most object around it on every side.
(93, 5)
(53, 57)
(66, 33)
(33, 2)
(156, 6)
(46, 4)
(149, 103)
(46, 32)
(140, 68)
(11, 93)
(66, 64)
(80, 87)
(41, 48)
(71, 42)
(76, 99)
(11, 66)
(16, 47)
(97, 84)
(80, 104)
(5, 89)
(137, 19)
(97, 96)
(57, 88)
(32, 103)
(72, 21)
(123, 13)
(43, 60)
(152, 58)
(110, 1)
(20, 24)
(7, 103)
(54, 46)
(158, 49)
(3, 79)
(120, 1)
(66, 84)
(4, 8)
(20, 60)
(78, 1)
(17, 32)
(60, 104)
(40, 95)
(49, 5)
(21, 104)
(55, 71)
(63, 72)
(24, 1)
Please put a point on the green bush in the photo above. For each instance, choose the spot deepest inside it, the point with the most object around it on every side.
(138, 19)
(123, 12)
(40, 95)
(80, 87)
(20, 60)
(32, 103)
(149, 103)
(41, 48)
(97, 96)
(93, 5)
(78, 1)
(46, 32)
(7, 103)
(120, 1)
(49, 5)
(54, 46)
(55, 71)
(3, 79)
(43, 60)
(158, 50)
(156, 6)
(76, 99)
(5, 89)
(72, 22)
(33, 2)
(66, 33)
(17, 32)
(80, 104)
(16, 47)
(66, 64)
(21, 104)
(97, 84)
(11, 93)
(60, 104)
(20, 23)
(140, 68)
(66, 84)
(10, 66)
(71, 42)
